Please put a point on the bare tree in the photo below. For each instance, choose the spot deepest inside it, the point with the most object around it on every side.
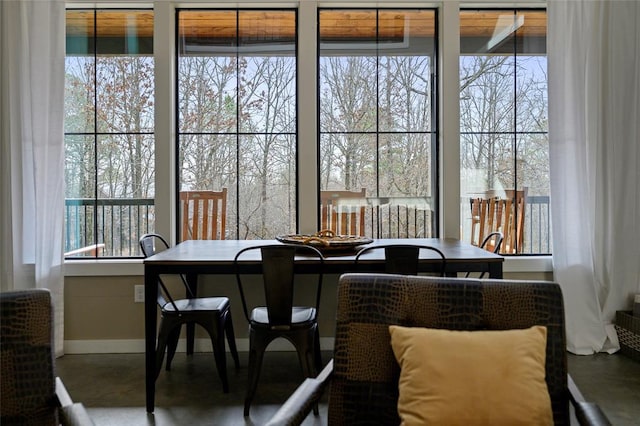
(207, 108)
(348, 112)
(267, 108)
(124, 114)
(385, 145)
(501, 97)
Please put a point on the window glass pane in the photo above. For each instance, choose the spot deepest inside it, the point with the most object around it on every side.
(125, 94)
(405, 54)
(208, 71)
(207, 99)
(80, 183)
(402, 158)
(125, 173)
(503, 129)
(109, 124)
(531, 80)
(376, 118)
(124, 32)
(349, 161)
(237, 116)
(80, 85)
(268, 95)
(487, 102)
(347, 94)
(267, 187)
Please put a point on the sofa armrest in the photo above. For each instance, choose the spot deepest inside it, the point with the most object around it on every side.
(63, 396)
(297, 407)
(70, 413)
(587, 413)
(299, 404)
(75, 415)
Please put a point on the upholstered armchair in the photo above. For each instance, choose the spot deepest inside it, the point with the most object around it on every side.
(30, 392)
(369, 378)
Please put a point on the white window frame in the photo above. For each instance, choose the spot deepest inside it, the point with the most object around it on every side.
(165, 123)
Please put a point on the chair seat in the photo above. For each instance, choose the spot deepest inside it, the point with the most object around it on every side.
(300, 316)
(198, 304)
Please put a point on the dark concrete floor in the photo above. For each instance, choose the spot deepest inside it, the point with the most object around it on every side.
(612, 381)
(112, 388)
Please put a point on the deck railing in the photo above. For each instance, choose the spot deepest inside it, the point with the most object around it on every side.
(121, 222)
(537, 225)
(118, 224)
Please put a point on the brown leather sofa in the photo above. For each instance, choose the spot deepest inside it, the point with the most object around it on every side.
(30, 393)
(369, 303)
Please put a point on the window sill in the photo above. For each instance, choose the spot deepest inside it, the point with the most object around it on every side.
(528, 264)
(134, 267)
(106, 267)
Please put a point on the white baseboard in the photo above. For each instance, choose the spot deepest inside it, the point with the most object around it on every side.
(201, 345)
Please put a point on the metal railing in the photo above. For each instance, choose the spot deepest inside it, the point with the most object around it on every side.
(116, 223)
(537, 225)
(121, 222)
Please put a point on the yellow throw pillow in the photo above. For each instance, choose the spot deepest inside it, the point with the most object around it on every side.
(472, 377)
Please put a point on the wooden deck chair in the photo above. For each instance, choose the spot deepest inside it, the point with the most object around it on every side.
(515, 206)
(486, 217)
(506, 215)
(203, 214)
(338, 216)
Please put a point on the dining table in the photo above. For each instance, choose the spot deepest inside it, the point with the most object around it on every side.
(197, 257)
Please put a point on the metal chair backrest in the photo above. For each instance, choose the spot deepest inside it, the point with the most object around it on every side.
(491, 242)
(151, 244)
(401, 259)
(203, 214)
(277, 265)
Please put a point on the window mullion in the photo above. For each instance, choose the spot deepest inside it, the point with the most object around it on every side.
(307, 127)
(165, 123)
(449, 116)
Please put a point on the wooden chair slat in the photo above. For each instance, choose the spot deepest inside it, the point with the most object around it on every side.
(203, 214)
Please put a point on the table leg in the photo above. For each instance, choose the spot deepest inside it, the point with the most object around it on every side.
(192, 281)
(495, 270)
(150, 320)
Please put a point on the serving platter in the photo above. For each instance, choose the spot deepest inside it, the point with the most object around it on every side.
(327, 241)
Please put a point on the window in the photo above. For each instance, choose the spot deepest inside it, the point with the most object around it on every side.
(377, 118)
(109, 125)
(237, 116)
(503, 126)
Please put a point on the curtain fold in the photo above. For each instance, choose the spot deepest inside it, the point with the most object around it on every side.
(33, 56)
(594, 136)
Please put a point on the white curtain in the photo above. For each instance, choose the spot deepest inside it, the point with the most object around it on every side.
(594, 137)
(32, 160)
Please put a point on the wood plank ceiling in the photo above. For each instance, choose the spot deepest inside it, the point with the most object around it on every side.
(336, 24)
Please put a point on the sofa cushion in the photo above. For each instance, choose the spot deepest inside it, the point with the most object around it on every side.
(472, 377)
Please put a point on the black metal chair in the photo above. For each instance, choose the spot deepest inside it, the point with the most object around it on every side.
(279, 317)
(212, 313)
(495, 239)
(400, 259)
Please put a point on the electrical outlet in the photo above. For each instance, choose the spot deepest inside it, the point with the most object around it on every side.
(138, 295)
